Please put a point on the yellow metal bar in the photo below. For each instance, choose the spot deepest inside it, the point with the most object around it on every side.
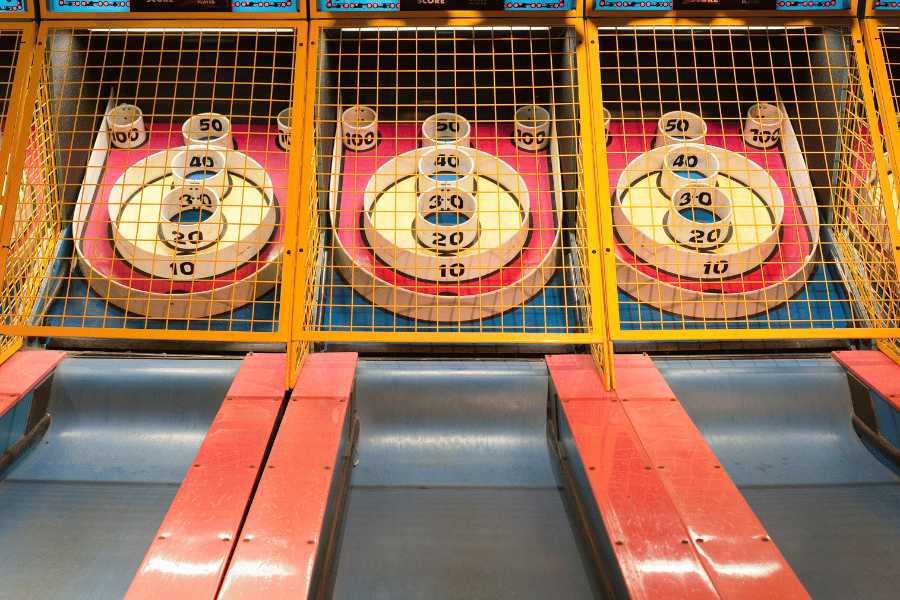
(886, 97)
(593, 147)
(603, 192)
(889, 350)
(886, 108)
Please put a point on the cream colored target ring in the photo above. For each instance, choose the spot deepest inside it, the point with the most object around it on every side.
(641, 212)
(390, 212)
(136, 202)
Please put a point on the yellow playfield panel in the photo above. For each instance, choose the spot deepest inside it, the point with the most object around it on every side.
(883, 43)
(450, 190)
(158, 198)
(741, 186)
(16, 41)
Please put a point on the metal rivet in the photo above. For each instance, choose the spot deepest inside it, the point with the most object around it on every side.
(271, 466)
(661, 467)
(327, 467)
(684, 541)
(252, 466)
(591, 468)
(311, 542)
(226, 539)
(619, 543)
(765, 539)
(624, 399)
(648, 468)
(673, 399)
(699, 540)
(246, 538)
(196, 465)
(717, 467)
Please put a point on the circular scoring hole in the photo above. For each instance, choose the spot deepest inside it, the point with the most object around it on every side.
(679, 127)
(124, 115)
(700, 216)
(200, 166)
(446, 219)
(688, 164)
(190, 218)
(207, 128)
(446, 128)
(448, 167)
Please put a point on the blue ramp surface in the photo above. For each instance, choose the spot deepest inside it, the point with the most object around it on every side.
(781, 427)
(454, 495)
(78, 513)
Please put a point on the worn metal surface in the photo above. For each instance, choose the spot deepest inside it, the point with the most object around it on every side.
(454, 496)
(121, 420)
(452, 423)
(80, 511)
(782, 430)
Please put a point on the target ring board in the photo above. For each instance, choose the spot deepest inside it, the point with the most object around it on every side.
(181, 220)
(714, 224)
(445, 221)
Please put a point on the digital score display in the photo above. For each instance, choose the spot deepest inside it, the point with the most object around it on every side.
(701, 5)
(443, 5)
(151, 6)
(12, 6)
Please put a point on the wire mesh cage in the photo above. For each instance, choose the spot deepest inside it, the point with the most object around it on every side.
(448, 198)
(155, 197)
(16, 41)
(883, 43)
(742, 172)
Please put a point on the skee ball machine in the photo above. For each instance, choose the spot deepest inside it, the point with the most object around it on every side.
(156, 175)
(744, 211)
(451, 201)
(150, 209)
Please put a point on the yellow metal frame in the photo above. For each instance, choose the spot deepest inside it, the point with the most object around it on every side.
(14, 116)
(37, 96)
(304, 331)
(166, 19)
(887, 100)
(880, 328)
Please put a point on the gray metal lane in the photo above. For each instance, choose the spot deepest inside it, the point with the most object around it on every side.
(78, 513)
(781, 427)
(454, 495)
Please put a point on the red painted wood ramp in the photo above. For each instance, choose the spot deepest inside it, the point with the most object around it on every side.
(187, 559)
(875, 370)
(677, 525)
(283, 537)
(22, 372)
